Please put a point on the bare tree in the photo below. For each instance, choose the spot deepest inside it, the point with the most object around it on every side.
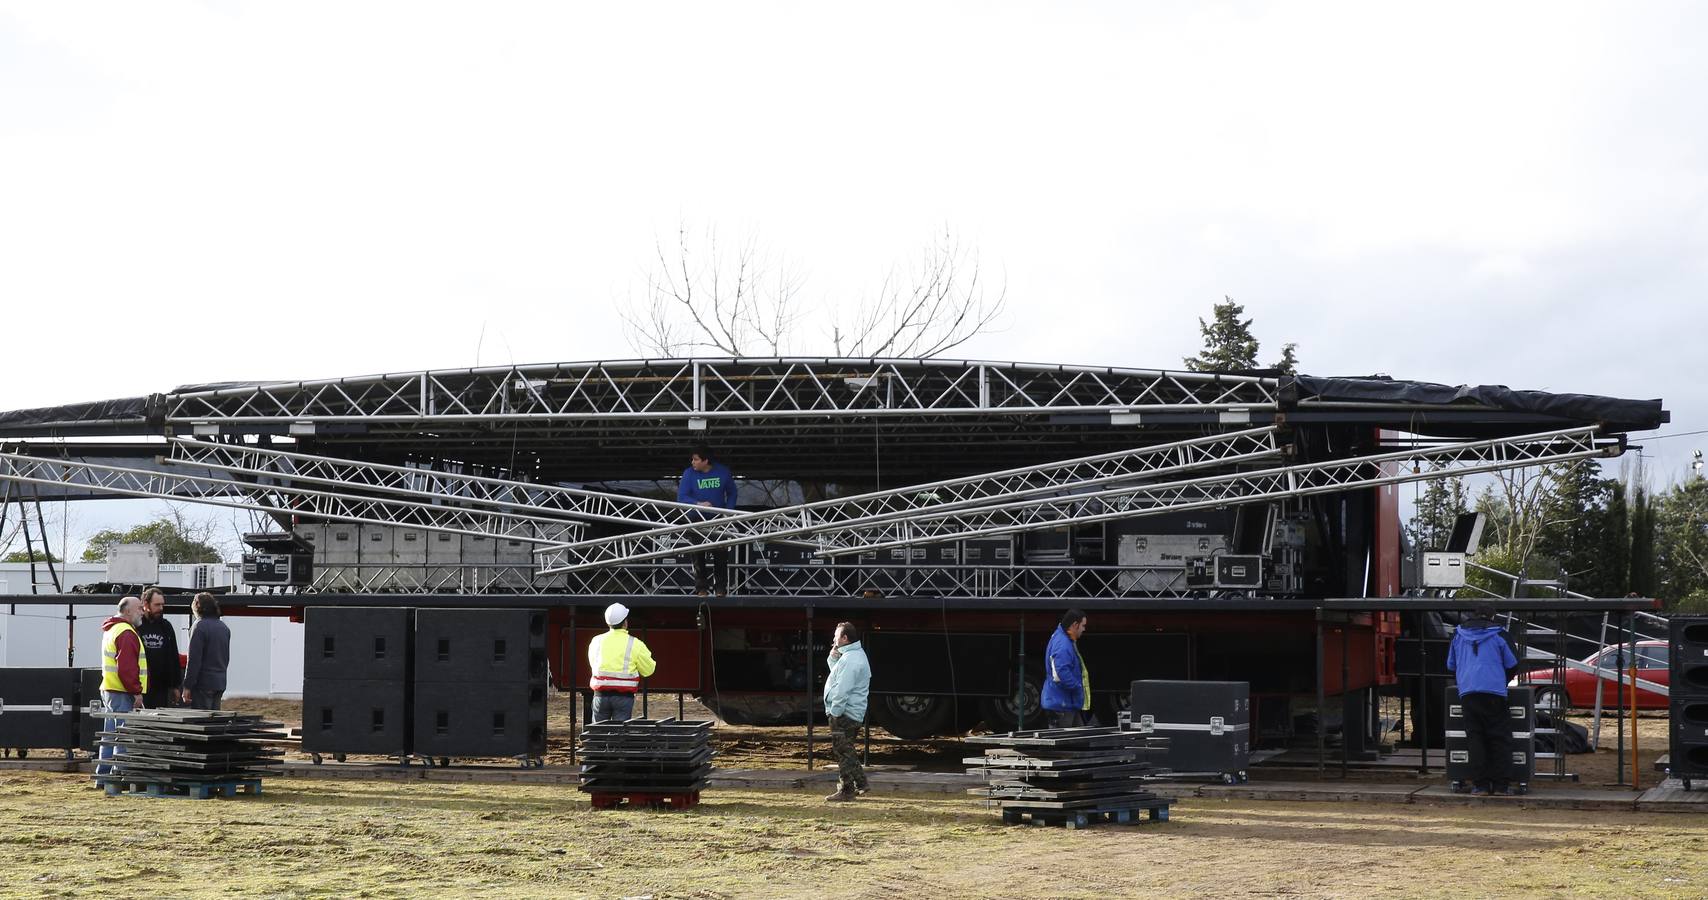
(705, 296)
(931, 307)
(702, 295)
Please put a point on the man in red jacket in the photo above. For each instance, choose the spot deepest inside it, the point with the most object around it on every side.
(124, 671)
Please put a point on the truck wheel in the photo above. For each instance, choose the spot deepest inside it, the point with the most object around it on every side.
(1001, 714)
(1553, 700)
(912, 717)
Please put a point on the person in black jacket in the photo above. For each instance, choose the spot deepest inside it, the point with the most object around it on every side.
(160, 642)
(210, 654)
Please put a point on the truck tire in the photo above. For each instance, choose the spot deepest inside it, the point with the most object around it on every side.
(1001, 713)
(913, 717)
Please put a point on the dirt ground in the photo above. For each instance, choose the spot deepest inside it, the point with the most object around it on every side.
(768, 747)
(60, 837)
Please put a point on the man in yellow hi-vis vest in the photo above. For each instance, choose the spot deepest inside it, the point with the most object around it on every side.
(619, 661)
(124, 671)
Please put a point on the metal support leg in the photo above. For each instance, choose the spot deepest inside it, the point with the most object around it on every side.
(1322, 703)
(572, 652)
(1020, 680)
(1619, 665)
(810, 675)
(1422, 702)
(1345, 685)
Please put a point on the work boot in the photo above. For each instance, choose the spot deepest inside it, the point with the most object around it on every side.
(840, 796)
(862, 789)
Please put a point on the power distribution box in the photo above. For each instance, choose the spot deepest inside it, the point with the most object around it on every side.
(291, 569)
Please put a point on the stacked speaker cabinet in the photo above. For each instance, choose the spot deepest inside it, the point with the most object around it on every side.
(356, 672)
(1688, 693)
(480, 682)
(89, 698)
(1207, 723)
(39, 708)
(1521, 713)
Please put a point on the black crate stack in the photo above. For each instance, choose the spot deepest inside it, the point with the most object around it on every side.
(39, 709)
(356, 679)
(1070, 776)
(1521, 713)
(480, 683)
(1207, 723)
(188, 753)
(1687, 743)
(647, 762)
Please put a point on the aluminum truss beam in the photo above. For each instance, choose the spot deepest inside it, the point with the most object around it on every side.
(961, 495)
(278, 498)
(720, 388)
(928, 524)
(539, 501)
(1304, 480)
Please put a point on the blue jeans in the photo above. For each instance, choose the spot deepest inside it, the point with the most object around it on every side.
(114, 702)
(613, 707)
(205, 699)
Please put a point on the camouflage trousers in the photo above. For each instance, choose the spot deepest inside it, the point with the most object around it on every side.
(844, 740)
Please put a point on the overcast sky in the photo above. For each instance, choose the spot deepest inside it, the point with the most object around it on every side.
(1475, 193)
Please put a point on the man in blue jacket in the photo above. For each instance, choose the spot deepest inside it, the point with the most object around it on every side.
(845, 693)
(708, 483)
(1482, 662)
(1067, 682)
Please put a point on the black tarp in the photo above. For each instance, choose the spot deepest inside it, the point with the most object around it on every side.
(1616, 414)
(128, 409)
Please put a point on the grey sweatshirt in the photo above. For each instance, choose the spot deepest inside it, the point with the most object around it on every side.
(210, 653)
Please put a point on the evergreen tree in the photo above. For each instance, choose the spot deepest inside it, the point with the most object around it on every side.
(1642, 543)
(1614, 579)
(1228, 343)
(1680, 519)
(1574, 523)
(1440, 504)
(1288, 364)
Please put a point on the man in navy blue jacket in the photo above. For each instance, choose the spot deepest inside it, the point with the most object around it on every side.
(707, 482)
(1067, 681)
(1481, 663)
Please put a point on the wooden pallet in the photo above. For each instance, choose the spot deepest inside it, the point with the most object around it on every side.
(658, 800)
(1128, 813)
(192, 790)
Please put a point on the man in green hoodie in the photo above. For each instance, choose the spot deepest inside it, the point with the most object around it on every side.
(845, 693)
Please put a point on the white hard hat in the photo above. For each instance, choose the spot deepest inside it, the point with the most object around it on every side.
(616, 614)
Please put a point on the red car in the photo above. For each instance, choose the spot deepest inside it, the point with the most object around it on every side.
(1580, 686)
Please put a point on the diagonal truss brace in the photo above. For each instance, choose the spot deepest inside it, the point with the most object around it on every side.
(1334, 476)
(877, 509)
(928, 523)
(541, 501)
(290, 499)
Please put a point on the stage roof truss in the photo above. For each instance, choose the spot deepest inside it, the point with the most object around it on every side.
(874, 509)
(928, 523)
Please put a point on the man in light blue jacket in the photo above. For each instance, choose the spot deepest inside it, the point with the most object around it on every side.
(845, 693)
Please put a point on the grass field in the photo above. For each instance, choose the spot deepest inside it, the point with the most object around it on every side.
(60, 837)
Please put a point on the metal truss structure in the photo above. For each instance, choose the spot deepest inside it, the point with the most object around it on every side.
(876, 509)
(927, 521)
(277, 498)
(670, 578)
(570, 506)
(716, 388)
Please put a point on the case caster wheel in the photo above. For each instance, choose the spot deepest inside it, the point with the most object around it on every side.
(1687, 784)
(444, 762)
(1230, 778)
(314, 758)
(338, 757)
(23, 753)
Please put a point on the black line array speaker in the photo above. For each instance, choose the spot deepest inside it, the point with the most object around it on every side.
(1521, 712)
(356, 680)
(347, 715)
(364, 643)
(1687, 741)
(480, 719)
(480, 682)
(480, 645)
(39, 708)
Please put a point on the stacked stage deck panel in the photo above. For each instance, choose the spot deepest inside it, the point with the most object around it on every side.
(1070, 776)
(193, 753)
(653, 762)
